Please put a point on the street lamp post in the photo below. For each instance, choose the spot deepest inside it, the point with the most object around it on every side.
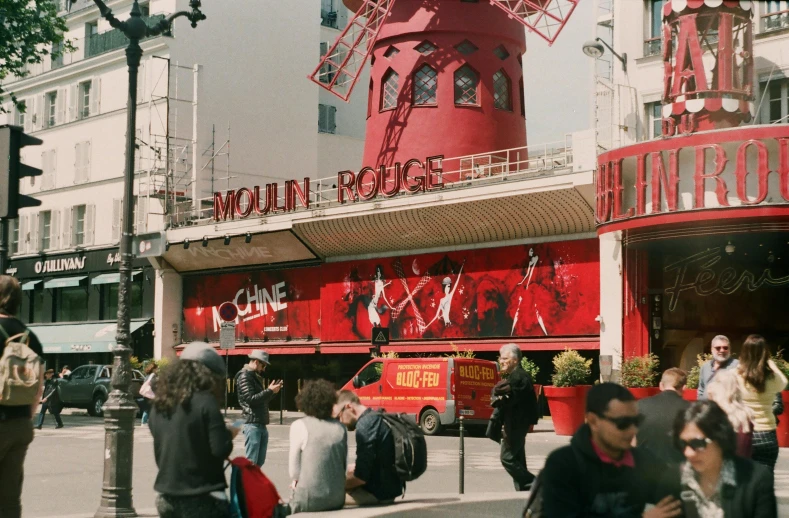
(120, 408)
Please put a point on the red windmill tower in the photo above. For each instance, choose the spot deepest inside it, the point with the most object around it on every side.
(446, 75)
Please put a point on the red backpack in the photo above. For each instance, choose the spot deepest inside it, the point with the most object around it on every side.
(252, 494)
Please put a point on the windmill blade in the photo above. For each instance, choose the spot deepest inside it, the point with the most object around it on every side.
(340, 67)
(545, 17)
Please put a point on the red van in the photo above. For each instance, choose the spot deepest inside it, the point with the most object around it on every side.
(436, 391)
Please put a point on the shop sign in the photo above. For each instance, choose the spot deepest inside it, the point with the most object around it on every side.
(61, 264)
(369, 182)
(245, 202)
(728, 168)
(88, 261)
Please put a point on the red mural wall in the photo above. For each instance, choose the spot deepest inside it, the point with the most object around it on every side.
(549, 289)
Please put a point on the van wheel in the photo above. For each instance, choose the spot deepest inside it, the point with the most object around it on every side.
(96, 409)
(430, 422)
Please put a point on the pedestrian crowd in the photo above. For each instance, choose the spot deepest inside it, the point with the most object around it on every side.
(660, 457)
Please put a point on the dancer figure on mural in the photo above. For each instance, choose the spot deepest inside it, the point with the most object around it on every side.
(373, 310)
(445, 304)
(530, 269)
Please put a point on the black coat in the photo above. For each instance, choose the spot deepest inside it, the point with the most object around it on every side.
(655, 434)
(517, 408)
(252, 397)
(52, 396)
(752, 497)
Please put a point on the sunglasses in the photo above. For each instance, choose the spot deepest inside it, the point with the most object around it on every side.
(697, 445)
(625, 422)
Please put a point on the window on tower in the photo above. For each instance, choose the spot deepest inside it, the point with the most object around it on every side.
(502, 97)
(389, 90)
(466, 84)
(425, 86)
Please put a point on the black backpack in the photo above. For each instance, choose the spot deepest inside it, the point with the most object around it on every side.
(410, 446)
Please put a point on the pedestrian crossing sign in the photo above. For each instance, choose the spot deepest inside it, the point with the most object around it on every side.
(380, 336)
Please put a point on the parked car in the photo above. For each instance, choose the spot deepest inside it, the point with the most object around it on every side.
(436, 391)
(88, 387)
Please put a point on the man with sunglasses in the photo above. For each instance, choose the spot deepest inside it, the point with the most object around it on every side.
(721, 360)
(600, 474)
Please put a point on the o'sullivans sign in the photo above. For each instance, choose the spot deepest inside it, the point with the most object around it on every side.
(364, 185)
(739, 167)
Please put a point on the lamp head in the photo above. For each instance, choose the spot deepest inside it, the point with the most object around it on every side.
(593, 49)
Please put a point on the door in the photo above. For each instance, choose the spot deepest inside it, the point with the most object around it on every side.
(369, 384)
(84, 389)
(69, 388)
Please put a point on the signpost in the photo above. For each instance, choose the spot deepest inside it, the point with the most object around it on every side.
(380, 337)
(228, 312)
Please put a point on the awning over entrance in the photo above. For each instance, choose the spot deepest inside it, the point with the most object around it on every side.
(65, 282)
(110, 278)
(30, 285)
(80, 338)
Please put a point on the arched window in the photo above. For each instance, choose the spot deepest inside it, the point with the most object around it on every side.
(522, 97)
(502, 99)
(425, 85)
(389, 90)
(466, 84)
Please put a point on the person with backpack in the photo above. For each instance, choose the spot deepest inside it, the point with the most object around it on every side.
(50, 400)
(21, 385)
(318, 451)
(190, 438)
(374, 479)
(599, 474)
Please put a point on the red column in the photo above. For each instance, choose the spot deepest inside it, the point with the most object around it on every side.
(635, 323)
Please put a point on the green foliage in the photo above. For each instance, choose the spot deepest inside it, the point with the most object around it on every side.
(530, 367)
(640, 371)
(135, 363)
(570, 369)
(781, 363)
(29, 29)
(457, 353)
(695, 372)
(390, 354)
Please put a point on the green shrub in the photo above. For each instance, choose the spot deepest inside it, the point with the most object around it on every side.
(640, 371)
(570, 369)
(530, 367)
(782, 364)
(457, 353)
(695, 372)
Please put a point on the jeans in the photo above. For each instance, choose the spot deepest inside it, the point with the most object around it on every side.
(15, 436)
(255, 443)
(44, 408)
(144, 417)
(198, 506)
(513, 458)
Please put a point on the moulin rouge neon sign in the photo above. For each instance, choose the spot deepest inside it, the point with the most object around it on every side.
(364, 185)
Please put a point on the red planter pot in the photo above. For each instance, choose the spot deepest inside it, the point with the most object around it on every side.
(567, 405)
(783, 423)
(690, 394)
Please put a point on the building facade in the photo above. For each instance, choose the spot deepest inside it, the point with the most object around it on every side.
(692, 206)
(196, 130)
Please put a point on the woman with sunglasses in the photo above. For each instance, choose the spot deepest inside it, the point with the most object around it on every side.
(714, 482)
(760, 380)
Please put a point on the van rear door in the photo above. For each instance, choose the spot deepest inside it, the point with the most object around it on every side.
(473, 381)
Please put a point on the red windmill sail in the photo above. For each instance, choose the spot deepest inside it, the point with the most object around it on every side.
(545, 17)
(340, 67)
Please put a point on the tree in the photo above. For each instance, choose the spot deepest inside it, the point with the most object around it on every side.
(29, 30)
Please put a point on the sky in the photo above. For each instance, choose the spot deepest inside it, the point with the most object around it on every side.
(558, 80)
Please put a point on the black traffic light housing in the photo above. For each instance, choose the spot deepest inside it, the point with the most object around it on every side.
(12, 139)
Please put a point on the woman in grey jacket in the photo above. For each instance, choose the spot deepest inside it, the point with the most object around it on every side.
(318, 452)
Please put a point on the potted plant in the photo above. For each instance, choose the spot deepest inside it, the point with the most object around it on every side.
(639, 374)
(531, 367)
(567, 396)
(692, 385)
(783, 419)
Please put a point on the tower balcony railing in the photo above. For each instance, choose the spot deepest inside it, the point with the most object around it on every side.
(464, 172)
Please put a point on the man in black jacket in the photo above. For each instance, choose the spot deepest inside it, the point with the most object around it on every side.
(659, 412)
(254, 399)
(516, 407)
(599, 474)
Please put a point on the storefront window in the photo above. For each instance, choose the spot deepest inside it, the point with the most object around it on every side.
(109, 301)
(36, 306)
(71, 304)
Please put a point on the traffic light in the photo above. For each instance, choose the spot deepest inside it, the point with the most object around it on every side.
(12, 139)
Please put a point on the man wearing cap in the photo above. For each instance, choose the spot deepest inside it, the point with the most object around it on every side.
(254, 399)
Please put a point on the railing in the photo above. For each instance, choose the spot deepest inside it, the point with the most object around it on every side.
(653, 46)
(776, 20)
(84, 48)
(516, 164)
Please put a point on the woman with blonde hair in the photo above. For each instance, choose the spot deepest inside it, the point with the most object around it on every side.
(759, 380)
(725, 391)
